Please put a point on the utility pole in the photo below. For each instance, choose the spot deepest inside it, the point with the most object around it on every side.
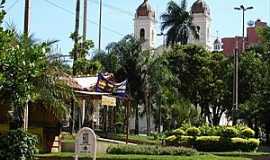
(75, 56)
(84, 20)
(26, 17)
(26, 33)
(236, 58)
(100, 23)
(76, 35)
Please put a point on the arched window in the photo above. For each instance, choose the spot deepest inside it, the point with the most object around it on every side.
(199, 31)
(142, 34)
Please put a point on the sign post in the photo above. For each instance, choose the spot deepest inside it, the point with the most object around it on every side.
(86, 142)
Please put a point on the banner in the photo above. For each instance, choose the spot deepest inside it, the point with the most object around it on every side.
(107, 86)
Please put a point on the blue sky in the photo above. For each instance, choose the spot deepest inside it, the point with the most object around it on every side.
(50, 22)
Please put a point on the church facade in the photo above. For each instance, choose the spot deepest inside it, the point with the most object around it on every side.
(145, 25)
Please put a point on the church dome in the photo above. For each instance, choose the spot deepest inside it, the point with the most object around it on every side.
(145, 10)
(200, 6)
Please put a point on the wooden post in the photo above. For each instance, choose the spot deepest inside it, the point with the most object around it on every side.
(73, 116)
(26, 111)
(127, 120)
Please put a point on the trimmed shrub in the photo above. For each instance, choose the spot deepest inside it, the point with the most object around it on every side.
(245, 145)
(230, 132)
(239, 144)
(193, 131)
(236, 138)
(209, 143)
(185, 141)
(207, 130)
(18, 145)
(178, 132)
(253, 144)
(150, 150)
(171, 140)
(248, 133)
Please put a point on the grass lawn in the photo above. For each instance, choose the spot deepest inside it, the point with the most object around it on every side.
(251, 155)
(138, 139)
(69, 156)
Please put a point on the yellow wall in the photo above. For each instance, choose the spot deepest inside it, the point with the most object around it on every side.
(39, 133)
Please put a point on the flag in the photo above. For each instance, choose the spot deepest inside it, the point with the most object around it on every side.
(107, 86)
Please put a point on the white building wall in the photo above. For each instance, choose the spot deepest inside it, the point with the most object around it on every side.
(204, 22)
(148, 24)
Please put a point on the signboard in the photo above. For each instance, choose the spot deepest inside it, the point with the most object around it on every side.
(108, 101)
(106, 86)
(86, 142)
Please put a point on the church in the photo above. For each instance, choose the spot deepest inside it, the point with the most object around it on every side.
(145, 31)
(145, 25)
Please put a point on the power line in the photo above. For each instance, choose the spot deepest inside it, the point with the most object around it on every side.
(12, 5)
(90, 21)
(120, 10)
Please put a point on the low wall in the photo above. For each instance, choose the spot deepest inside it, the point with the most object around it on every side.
(102, 145)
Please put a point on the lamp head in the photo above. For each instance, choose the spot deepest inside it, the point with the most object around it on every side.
(242, 7)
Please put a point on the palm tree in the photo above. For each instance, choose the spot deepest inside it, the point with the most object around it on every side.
(177, 21)
(35, 79)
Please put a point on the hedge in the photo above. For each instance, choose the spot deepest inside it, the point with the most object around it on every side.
(193, 131)
(219, 144)
(150, 150)
(18, 145)
(230, 132)
(209, 143)
(206, 130)
(248, 133)
(222, 139)
(245, 145)
(178, 132)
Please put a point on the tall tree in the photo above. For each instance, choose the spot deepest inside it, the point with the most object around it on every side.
(28, 76)
(177, 21)
(125, 58)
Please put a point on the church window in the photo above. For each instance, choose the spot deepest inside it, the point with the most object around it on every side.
(142, 34)
(199, 31)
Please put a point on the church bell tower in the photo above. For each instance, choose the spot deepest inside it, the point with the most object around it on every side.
(144, 25)
(201, 17)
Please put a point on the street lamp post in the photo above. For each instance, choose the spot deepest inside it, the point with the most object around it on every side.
(243, 9)
(236, 57)
(159, 107)
(100, 25)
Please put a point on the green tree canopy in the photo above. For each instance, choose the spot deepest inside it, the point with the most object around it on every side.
(177, 21)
